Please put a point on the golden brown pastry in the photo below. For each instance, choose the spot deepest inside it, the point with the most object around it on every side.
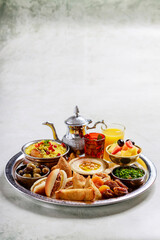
(78, 180)
(103, 175)
(64, 165)
(72, 156)
(39, 186)
(86, 194)
(88, 184)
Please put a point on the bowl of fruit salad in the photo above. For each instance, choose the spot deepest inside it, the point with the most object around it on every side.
(123, 152)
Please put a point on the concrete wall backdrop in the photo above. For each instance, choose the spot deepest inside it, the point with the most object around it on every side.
(103, 56)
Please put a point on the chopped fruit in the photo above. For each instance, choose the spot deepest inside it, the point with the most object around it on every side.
(116, 150)
(124, 147)
(129, 144)
(112, 147)
(97, 181)
(134, 151)
(126, 153)
(127, 150)
(138, 150)
(131, 141)
(103, 188)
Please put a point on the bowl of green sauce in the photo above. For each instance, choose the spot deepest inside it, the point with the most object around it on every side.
(131, 176)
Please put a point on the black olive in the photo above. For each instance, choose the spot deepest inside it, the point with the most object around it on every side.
(120, 142)
(41, 166)
(29, 169)
(131, 141)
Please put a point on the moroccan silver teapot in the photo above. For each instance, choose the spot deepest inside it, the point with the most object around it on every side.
(76, 129)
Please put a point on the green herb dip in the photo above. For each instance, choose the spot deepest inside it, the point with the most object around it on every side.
(129, 173)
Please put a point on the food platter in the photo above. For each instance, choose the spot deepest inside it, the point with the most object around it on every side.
(45, 201)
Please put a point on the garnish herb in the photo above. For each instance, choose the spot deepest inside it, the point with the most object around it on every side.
(99, 137)
(129, 173)
(46, 142)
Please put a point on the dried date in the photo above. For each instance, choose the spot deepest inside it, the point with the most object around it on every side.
(120, 191)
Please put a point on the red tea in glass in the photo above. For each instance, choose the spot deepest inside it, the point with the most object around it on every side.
(94, 145)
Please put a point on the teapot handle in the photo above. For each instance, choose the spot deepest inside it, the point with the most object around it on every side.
(94, 126)
(51, 125)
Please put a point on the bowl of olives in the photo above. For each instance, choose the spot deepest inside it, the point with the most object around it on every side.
(27, 174)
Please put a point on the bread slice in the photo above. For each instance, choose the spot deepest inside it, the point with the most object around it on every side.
(39, 186)
(51, 181)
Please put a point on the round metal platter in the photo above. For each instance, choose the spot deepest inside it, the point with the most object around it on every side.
(42, 200)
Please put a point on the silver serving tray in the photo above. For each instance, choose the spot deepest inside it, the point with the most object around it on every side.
(42, 200)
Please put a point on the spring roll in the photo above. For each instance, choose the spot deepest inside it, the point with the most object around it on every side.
(87, 194)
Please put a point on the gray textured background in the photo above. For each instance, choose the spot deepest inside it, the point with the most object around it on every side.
(103, 56)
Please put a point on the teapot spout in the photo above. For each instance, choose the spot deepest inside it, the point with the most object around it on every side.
(51, 125)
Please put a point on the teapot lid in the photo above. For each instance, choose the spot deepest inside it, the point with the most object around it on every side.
(77, 120)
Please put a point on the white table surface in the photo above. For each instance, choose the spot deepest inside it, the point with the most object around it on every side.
(111, 70)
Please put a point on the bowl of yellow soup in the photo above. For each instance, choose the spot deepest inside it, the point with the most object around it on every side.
(45, 151)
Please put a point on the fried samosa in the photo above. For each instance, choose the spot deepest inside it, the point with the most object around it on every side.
(78, 180)
(88, 184)
(63, 165)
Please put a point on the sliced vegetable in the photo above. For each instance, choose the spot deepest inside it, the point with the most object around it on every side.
(63, 145)
(38, 144)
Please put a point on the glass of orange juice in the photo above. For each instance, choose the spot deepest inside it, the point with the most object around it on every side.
(112, 132)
